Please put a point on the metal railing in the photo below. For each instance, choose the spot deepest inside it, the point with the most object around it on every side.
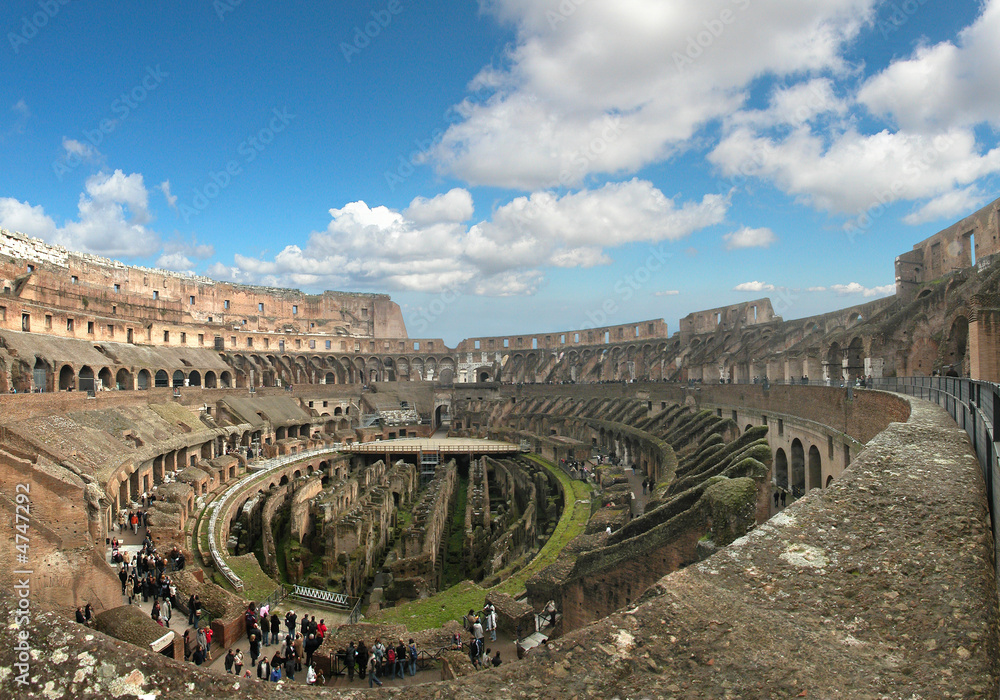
(975, 407)
(220, 505)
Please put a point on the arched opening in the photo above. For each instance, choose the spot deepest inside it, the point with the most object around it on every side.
(178, 379)
(226, 380)
(162, 379)
(798, 469)
(194, 379)
(67, 378)
(829, 480)
(955, 351)
(40, 376)
(815, 468)
(86, 379)
(284, 480)
(747, 429)
(142, 381)
(855, 359)
(107, 381)
(123, 380)
(834, 364)
(337, 411)
(781, 469)
(330, 378)
(211, 381)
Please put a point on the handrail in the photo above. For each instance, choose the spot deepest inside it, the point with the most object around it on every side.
(219, 504)
(975, 406)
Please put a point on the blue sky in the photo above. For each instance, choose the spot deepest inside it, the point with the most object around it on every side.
(508, 165)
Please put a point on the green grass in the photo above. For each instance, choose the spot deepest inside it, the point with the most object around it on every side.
(456, 601)
(256, 584)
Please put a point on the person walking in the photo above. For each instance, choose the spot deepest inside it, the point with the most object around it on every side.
(373, 672)
(350, 659)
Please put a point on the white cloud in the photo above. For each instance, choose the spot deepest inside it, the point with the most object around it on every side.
(816, 289)
(454, 206)
(946, 85)
(80, 150)
(164, 187)
(750, 238)
(667, 293)
(113, 218)
(754, 286)
(427, 246)
(609, 87)
(856, 288)
(854, 172)
(178, 255)
(950, 205)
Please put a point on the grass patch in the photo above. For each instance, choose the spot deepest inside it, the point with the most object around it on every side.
(256, 584)
(456, 601)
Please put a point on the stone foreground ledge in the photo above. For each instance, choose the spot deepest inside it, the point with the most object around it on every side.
(881, 586)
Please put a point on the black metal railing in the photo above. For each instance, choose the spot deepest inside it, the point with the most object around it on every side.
(975, 407)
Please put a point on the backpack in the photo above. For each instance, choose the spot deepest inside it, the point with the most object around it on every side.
(391, 655)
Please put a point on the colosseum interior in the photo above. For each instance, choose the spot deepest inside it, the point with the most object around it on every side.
(813, 520)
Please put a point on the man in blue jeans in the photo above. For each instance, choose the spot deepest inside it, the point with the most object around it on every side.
(372, 676)
(413, 658)
(400, 661)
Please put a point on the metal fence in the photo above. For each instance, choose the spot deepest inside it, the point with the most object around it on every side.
(975, 407)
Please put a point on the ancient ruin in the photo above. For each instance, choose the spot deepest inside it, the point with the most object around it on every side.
(797, 508)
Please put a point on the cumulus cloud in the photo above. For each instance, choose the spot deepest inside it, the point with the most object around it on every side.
(113, 218)
(944, 86)
(856, 288)
(179, 255)
(602, 87)
(948, 206)
(164, 187)
(79, 150)
(750, 238)
(428, 246)
(754, 286)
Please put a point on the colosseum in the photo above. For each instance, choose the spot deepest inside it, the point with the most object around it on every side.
(745, 507)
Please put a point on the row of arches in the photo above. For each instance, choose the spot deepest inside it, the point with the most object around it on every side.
(122, 379)
(802, 473)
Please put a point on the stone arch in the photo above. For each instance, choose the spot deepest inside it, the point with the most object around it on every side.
(86, 378)
(144, 380)
(123, 380)
(954, 355)
(211, 381)
(162, 379)
(106, 378)
(798, 468)
(67, 378)
(815, 468)
(834, 363)
(194, 378)
(178, 380)
(226, 380)
(855, 359)
(781, 469)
